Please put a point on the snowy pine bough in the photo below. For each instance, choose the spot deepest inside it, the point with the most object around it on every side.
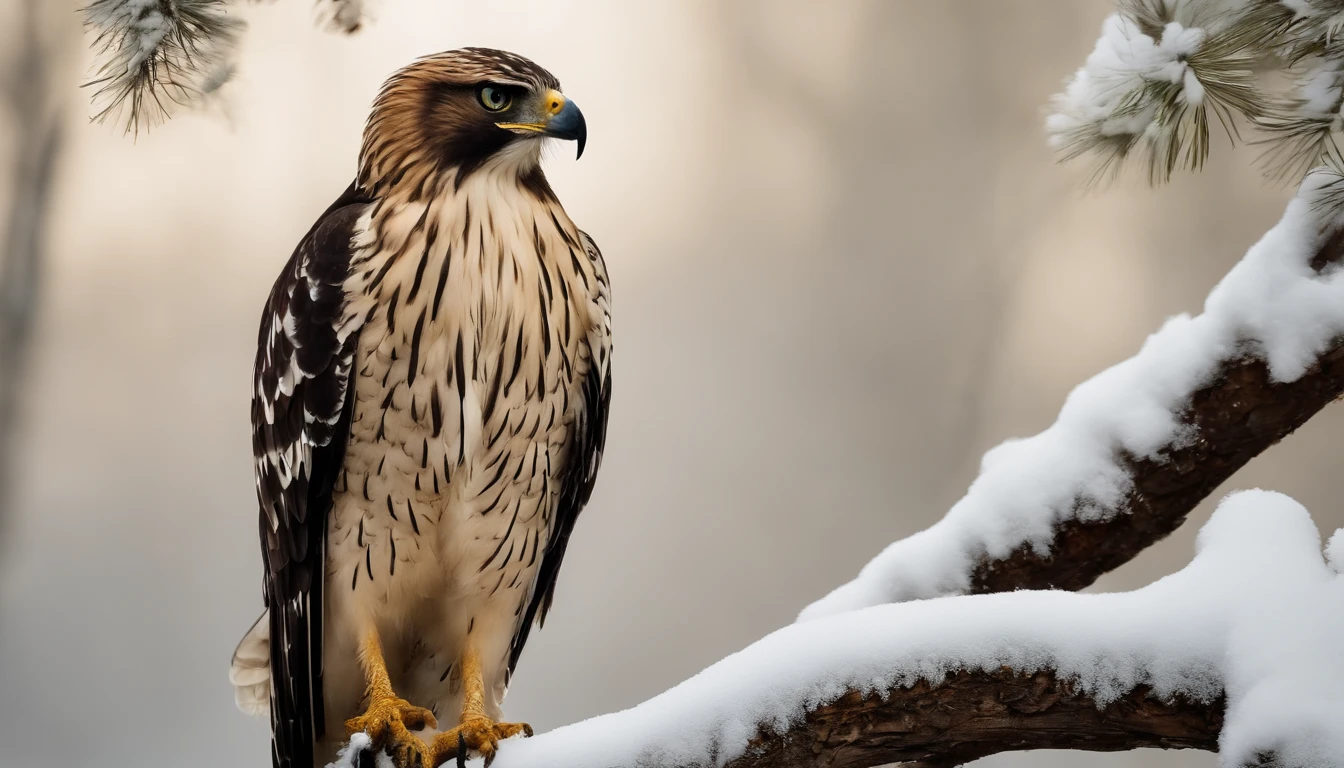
(154, 55)
(1163, 71)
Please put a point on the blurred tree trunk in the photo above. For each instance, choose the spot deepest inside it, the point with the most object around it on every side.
(37, 142)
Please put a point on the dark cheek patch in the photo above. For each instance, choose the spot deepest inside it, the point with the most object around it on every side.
(459, 131)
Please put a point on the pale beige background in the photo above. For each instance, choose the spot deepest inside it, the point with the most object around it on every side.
(845, 264)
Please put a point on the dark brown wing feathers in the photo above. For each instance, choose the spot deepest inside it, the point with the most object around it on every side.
(300, 420)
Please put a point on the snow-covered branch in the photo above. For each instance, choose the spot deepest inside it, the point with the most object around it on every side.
(947, 680)
(1138, 446)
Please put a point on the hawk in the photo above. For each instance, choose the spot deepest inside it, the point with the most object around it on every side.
(432, 383)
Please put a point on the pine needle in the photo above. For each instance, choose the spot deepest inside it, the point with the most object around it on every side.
(1185, 62)
(157, 55)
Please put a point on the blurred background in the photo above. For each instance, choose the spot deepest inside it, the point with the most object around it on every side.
(845, 264)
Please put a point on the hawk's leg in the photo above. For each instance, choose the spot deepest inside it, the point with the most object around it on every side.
(389, 720)
(476, 731)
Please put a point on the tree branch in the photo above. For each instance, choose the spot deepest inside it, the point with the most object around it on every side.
(1242, 413)
(1231, 421)
(1139, 446)
(975, 714)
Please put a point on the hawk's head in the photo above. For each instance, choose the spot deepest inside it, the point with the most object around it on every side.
(464, 112)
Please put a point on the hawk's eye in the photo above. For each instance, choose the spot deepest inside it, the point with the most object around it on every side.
(494, 99)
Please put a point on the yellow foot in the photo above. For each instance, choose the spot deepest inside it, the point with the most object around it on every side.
(477, 734)
(389, 723)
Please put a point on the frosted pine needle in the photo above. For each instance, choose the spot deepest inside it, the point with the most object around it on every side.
(1153, 83)
(1162, 70)
(157, 54)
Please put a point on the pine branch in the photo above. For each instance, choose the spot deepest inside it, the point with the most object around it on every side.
(156, 56)
(1162, 70)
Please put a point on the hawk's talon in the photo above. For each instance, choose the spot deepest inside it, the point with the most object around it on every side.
(408, 756)
(384, 713)
(478, 734)
(388, 723)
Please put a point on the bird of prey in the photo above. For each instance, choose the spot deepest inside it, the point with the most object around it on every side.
(431, 392)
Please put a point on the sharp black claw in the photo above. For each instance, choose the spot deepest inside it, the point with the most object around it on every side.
(489, 758)
(461, 751)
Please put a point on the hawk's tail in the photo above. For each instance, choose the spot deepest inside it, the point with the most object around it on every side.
(250, 671)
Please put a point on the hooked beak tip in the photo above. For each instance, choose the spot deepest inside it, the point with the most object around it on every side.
(569, 124)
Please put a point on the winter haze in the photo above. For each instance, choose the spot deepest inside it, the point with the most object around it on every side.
(844, 262)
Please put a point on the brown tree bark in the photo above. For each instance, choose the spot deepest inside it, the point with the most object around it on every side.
(973, 714)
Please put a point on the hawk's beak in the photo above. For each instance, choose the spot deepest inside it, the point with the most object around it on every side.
(567, 123)
(562, 120)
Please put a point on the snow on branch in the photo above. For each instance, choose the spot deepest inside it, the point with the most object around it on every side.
(1162, 69)
(1249, 628)
(1138, 446)
(155, 55)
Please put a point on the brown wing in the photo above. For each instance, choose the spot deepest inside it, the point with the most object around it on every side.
(300, 421)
